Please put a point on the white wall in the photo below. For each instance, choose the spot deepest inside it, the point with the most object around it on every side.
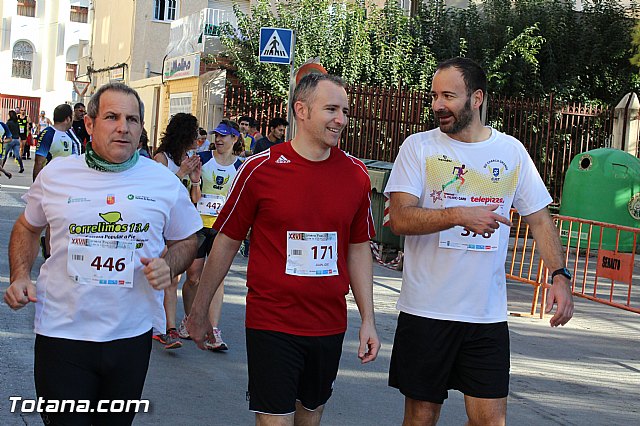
(51, 34)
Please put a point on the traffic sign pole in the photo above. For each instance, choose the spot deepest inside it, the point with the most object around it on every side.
(291, 130)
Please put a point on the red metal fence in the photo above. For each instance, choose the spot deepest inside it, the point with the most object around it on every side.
(380, 119)
(260, 105)
(7, 102)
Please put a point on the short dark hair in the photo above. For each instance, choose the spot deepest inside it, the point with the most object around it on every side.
(94, 102)
(472, 73)
(277, 121)
(245, 118)
(62, 112)
(305, 89)
(78, 105)
(202, 132)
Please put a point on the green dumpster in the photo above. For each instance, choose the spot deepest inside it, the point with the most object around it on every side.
(602, 185)
(379, 172)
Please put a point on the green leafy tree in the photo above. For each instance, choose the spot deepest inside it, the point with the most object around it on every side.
(529, 47)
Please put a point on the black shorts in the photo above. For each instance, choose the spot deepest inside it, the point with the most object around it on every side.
(79, 370)
(284, 368)
(431, 356)
(205, 238)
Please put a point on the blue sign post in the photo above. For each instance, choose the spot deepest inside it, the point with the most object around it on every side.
(276, 46)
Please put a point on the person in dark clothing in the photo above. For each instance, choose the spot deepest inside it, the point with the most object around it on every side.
(14, 145)
(25, 129)
(78, 124)
(277, 127)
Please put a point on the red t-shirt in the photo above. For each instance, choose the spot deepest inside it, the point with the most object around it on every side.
(279, 191)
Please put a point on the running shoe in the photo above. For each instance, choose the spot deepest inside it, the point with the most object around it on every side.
(214, 341)
(159, 338)
(182, 329)
(172, 340)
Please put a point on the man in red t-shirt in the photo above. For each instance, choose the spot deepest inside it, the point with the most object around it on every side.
(309, 244)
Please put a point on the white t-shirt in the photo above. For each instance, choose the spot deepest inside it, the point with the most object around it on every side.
(204, 147)
(466, 283)
(145, 205)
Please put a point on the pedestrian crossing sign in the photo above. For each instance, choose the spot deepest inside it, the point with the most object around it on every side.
(276, 45)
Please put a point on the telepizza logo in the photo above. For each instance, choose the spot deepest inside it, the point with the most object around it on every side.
(488, 200)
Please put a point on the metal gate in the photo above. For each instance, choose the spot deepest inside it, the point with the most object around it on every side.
(31, 105)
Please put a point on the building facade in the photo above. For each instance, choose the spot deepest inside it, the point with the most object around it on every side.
(39, 48)
(131, 43)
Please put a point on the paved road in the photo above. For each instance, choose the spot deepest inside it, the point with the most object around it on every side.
(585, 373)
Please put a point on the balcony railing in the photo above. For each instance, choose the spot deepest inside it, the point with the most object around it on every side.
(200, 30)
(27, 8)
(79, 14)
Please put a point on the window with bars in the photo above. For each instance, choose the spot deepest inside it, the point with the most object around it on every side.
(79, 14)
(27, 8)
(22, 58)
(165, 10)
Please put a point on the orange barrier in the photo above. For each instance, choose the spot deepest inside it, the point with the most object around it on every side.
(602, 275)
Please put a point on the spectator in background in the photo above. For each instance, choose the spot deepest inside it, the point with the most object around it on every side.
(248, 141)
(143, 145)
(203, 143)
(78, 124)
(253, 129)
(277, 128)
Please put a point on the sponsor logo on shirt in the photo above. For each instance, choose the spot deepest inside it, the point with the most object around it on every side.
(495, 169)
(72, 200)
(112, 223)
(487, 200)
(282, 160)
(452, 196)
(140, 197)
(111, 199)
(445, 159)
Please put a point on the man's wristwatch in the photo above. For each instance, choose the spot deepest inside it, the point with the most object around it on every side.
(562, 271)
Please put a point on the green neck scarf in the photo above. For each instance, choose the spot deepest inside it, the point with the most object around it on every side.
(98, 163)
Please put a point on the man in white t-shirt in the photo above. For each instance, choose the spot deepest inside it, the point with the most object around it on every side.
(451, 189)
(99, 295)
